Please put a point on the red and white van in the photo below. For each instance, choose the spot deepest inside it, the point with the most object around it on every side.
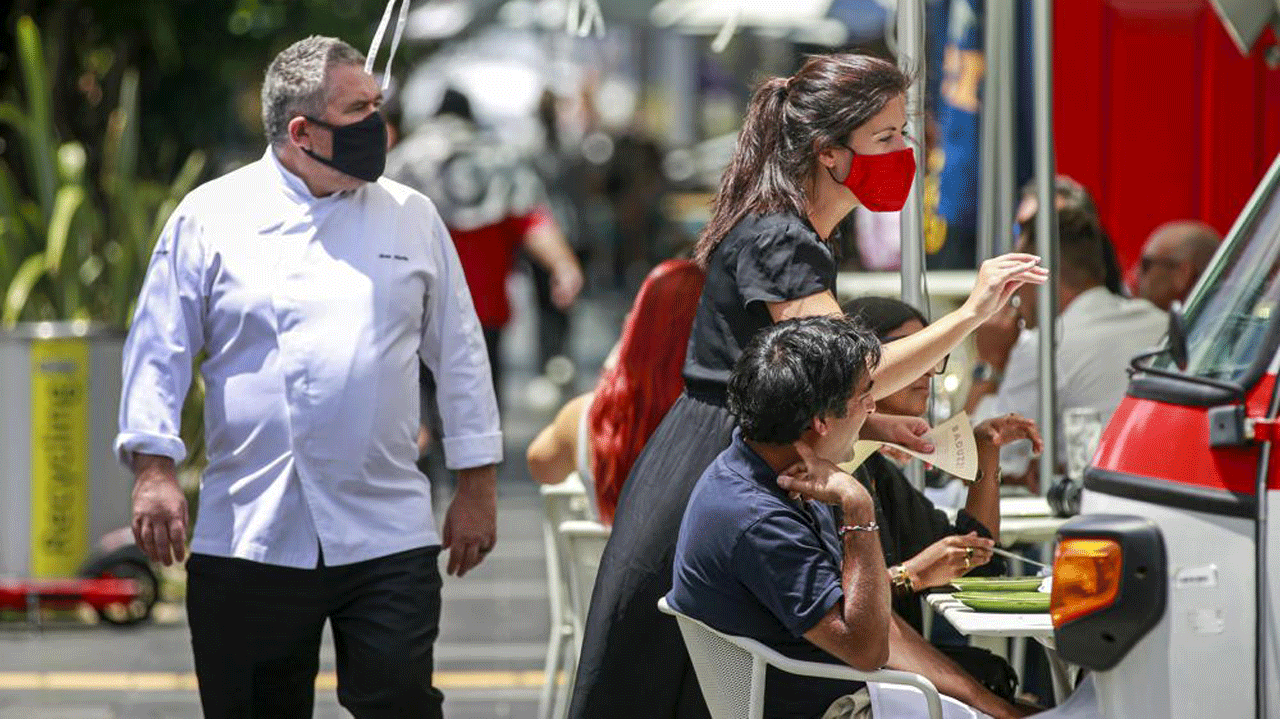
(1166, 585)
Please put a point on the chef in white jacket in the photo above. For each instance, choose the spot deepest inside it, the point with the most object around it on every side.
(312, 286)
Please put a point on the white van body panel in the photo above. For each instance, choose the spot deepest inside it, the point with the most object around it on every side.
(1198, 661)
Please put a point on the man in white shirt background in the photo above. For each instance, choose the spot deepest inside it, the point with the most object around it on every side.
(313, 287)
(1098, 332)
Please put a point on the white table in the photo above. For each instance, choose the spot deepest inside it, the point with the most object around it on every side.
(1032, 530)
(1004, 625)
(1024, 519)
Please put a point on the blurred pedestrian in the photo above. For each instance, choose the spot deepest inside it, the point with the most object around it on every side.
(601, 433)
(313, 286)
(812, 148)
(493, 203)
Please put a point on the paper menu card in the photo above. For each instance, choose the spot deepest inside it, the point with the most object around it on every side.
(955, 450)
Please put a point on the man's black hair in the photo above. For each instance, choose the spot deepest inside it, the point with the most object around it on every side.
(1081, 248)
(796, 370)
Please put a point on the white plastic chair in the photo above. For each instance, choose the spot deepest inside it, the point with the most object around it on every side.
(585, 541)
(731, 670)
(560, 503)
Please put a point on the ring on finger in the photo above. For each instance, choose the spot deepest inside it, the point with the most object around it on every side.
(968, 552)
(967, 564)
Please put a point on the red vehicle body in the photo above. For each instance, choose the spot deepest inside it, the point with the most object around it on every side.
(1172, 122)
(1167, 583)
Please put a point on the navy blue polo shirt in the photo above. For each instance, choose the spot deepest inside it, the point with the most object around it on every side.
(752, 562)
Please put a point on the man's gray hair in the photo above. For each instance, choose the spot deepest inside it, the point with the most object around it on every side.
(295, 82)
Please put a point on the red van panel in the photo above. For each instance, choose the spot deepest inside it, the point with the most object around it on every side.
(1158, 114)
(1171, 442)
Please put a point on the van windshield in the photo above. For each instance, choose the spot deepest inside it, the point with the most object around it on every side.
(1228, 316)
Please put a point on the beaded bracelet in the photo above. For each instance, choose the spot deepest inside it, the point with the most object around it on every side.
(873, 527)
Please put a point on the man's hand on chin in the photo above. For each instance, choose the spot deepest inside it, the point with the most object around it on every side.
(906, 431)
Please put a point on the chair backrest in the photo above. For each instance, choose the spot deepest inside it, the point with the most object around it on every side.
(731, 672)
(560, 503)
(727, 673)
(585, 541)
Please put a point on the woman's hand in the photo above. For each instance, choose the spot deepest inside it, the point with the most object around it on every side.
(906, 431)
(999, 431)
(948, 558)
(998, 278)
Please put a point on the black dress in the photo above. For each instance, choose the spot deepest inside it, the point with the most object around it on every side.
(633, 661)
(909, 523)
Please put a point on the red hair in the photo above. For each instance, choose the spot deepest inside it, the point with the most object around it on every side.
(634, 396)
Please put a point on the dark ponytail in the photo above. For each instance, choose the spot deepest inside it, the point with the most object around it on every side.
(788, 121)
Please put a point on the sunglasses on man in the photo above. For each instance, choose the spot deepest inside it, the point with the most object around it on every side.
(1146, 263)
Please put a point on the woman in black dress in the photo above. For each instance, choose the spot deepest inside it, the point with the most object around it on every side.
(812, 148)
(915, 535)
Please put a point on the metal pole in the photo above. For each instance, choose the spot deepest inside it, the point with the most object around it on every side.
(1046, 238)
(911, 58)
(1006, 147)
(988, 183)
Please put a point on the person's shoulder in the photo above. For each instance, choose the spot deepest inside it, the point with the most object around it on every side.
(773, 227)
(724, 493)
(225, 193)
(402, 197)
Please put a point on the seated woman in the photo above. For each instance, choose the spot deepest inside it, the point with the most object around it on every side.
(923, 548)
(601, 433)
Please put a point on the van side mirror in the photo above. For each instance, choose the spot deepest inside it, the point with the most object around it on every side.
(1177, 336)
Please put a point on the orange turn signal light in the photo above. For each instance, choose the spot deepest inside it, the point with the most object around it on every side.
(1086, 577)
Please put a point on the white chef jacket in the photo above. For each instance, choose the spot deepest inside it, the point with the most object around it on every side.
(313, 313)
(1098, 333)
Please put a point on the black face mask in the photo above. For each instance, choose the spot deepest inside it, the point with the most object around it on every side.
(359, 149)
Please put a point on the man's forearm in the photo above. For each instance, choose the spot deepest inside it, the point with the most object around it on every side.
(548, 247)
(478, 479)
(867, 609)
(979, 390)
(153, 466)
(908, 651)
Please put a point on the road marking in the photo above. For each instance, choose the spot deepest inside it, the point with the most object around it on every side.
(186, 681)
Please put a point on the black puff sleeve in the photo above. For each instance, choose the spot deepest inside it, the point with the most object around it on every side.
(783, 263)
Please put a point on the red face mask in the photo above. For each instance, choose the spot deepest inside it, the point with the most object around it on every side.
(882, 182)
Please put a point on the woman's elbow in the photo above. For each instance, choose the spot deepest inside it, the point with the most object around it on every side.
(542, 466)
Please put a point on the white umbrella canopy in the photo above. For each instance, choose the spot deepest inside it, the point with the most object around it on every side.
(829, 23)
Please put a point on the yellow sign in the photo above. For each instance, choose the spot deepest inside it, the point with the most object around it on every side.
(59, 456)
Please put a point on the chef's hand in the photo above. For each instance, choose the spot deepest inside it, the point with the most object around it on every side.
(159, 509)
(906, 431)
(471, 524)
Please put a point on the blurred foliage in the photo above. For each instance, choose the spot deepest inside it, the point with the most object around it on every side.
(75, 245)
(199, 66)
(110, 112)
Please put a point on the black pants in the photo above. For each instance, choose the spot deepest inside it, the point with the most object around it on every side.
(255, 632)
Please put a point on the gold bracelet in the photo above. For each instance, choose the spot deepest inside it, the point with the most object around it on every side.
(900, 579)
